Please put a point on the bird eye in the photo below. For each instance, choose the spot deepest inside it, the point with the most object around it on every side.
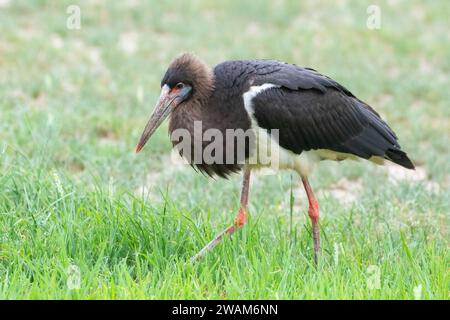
(179, 85)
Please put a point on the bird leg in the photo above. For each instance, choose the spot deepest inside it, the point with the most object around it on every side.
(313, 212)
(239, 221)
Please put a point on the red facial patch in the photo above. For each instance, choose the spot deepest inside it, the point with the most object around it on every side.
(174, 90)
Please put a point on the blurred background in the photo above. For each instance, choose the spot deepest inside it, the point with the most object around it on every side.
(75, 98)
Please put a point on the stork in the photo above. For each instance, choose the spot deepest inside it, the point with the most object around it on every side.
(314, 117)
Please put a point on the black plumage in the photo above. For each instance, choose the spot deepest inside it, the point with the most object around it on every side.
(310, 110)
(313, 111)
(308, 119)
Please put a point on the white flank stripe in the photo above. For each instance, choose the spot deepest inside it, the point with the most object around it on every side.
(253, 92)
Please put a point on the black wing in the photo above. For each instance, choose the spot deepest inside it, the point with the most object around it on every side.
(313, 111)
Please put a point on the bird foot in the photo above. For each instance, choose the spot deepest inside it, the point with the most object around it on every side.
(239, 222)
(213, 243)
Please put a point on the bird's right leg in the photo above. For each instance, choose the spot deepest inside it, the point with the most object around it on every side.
(239, 221)
(313, 212)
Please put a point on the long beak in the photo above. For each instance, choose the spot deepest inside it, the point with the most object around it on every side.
(162, 110)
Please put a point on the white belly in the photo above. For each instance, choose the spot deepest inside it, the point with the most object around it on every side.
(269, 154)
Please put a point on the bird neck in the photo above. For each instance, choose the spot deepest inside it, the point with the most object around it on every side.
(203, 85)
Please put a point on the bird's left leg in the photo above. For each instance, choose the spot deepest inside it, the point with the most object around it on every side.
(239, 221)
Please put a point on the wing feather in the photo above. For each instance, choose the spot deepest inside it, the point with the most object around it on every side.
(333, 120)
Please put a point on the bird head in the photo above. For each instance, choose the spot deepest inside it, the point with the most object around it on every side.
(186, 79)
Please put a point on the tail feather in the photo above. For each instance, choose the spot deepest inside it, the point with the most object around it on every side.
(399, 157)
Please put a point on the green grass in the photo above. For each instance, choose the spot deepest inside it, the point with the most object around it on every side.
(73, 193)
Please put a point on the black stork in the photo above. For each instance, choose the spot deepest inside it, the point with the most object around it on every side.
(314, 117)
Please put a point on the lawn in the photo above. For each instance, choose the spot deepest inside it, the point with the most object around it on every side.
(83, 217)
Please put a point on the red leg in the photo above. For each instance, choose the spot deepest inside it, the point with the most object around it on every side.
(313, 212)
(239, 221)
